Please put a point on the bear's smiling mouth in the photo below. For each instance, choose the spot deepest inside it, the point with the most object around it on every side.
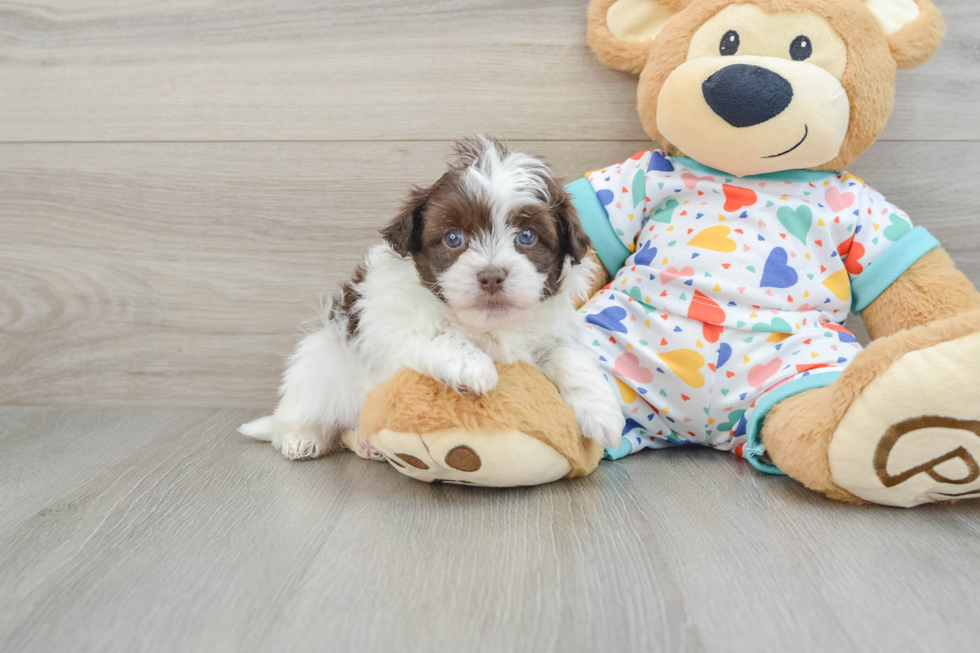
(806, 132)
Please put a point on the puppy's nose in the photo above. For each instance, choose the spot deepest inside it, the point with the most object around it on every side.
(746, 95)
(491, 280)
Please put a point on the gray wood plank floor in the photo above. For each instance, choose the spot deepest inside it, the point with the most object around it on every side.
(159, 529)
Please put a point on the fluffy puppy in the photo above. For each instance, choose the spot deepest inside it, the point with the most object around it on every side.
(484, 266)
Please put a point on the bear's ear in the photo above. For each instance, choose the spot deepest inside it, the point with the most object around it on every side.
(914, 29)
(621, 32)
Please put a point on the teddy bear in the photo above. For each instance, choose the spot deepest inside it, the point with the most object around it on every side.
(735, 253)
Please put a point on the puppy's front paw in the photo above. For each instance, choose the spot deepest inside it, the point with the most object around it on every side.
(473, 372)
(600, 419)
(296, 447)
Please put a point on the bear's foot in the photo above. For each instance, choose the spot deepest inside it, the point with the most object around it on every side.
(912, 435)
(504, 459)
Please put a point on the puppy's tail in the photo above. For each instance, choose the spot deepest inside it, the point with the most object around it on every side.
(261, 429)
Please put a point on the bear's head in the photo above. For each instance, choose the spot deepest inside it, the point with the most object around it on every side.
(757, 86)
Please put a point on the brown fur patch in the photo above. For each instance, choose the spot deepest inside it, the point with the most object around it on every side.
(560, 235)
(404, 232)
(449, 208)
(344, 305)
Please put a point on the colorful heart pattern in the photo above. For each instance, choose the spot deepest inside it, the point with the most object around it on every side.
(737, 197)
(797, 222)
(646, 255)
(759, 374)
(736, 287)
(836, 200)
(685, 363)
(672, 273)
(898, 228)
(628, 367)
(691, 181)
(666, 213)
(777, 273)
(710, 313)
(715, 239)
(610, 319)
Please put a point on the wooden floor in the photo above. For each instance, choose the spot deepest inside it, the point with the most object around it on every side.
(154, 529)
(181, 180)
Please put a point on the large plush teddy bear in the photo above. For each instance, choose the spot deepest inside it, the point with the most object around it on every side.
(736, 253)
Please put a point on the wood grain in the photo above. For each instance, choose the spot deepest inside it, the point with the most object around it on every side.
(179, 274)
(101, 70)
(161, 530)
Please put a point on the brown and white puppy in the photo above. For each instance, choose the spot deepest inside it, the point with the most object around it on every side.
(485, 266)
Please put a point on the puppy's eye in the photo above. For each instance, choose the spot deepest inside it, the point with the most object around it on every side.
(526, 237)
(729, 43)
(454, 239)
(801, 48)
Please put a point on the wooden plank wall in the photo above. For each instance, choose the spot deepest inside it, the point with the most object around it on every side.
(180, 181)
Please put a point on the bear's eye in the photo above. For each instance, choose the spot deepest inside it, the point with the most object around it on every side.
(729, 43)
(801, 48)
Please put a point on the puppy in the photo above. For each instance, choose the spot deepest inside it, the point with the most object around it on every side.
(486, 265)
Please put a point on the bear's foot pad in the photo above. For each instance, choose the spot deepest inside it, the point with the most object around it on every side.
(913, 435)
(502, 459)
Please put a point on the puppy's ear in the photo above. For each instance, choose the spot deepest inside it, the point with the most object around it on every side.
(571, 236)
(404, 233)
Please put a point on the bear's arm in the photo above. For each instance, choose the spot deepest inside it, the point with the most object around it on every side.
(932, 289)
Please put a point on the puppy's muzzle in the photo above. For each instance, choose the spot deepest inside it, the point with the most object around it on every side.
(744, 95)
(491, 280)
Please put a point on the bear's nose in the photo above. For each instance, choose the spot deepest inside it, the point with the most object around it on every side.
(745, 95)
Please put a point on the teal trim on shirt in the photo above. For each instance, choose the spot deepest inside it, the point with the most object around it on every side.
(607, 245)
(754, 447)
(889, 266)
(799, 176)
(624, 449)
